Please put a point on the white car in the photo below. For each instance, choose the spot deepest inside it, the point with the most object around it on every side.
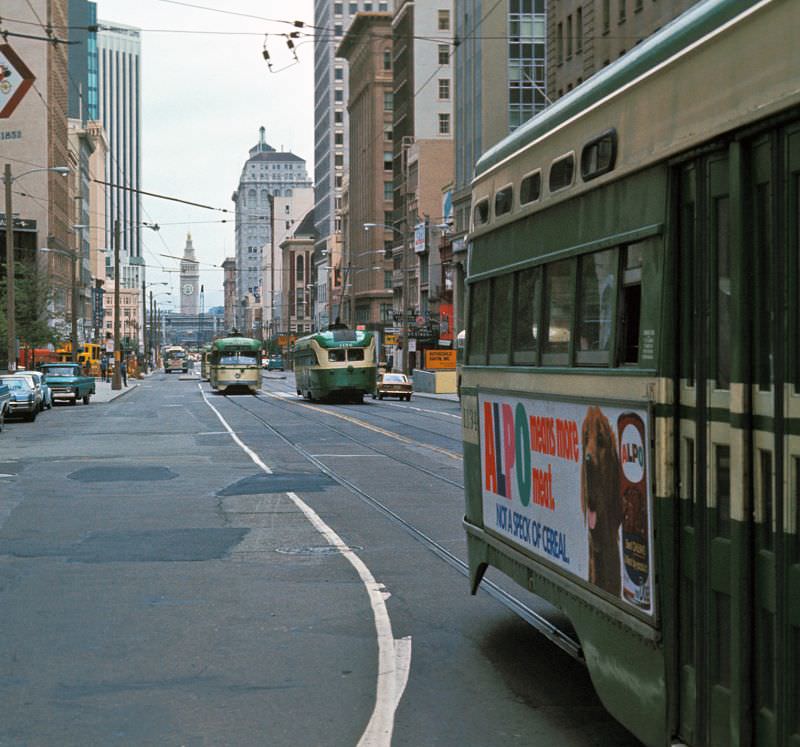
(38, 376)
(30, 378)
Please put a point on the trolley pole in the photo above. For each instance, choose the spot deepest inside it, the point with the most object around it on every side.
(116, 381)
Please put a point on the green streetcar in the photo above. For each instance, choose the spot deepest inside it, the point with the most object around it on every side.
(335, 363)
(632, 428)
(234, 363)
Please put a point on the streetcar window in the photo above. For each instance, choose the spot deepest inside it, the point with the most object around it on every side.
(559, 300)
(562, 172)
(238, 359)
(482, 212)
(337, 355)
(502, 201)
(599, 155)
(630, 305)
(499, 322)
(596, 294)
(355, 354)
(478, 327)
(527, 301)
(531, 188)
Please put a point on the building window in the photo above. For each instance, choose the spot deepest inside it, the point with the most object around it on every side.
(444, 124)
(338, 138)
(622, 10)
(337, 9)
(444, 89)
(387, 59)
(387, 161)
(353, 8)
(387, 280)
(338, 73)
(560, 43)
(338, 116)
(606, 16)
(387, 131)
(338, 160)
(388, 101)
(444, 54)
(569, 37)
(444, 20)
(388, 190)
(299, 268)
(337, 29)
(338, 95)
(579, 31)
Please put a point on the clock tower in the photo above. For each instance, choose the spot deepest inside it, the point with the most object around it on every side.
(190, 280)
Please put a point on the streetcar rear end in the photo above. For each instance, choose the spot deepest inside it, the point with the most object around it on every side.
(234, 364)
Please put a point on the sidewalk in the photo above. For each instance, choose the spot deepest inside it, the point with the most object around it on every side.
(431, 395)
(104, 393)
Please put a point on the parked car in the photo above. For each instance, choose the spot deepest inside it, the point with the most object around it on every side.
(23, 402)
(5, 398)
(38, 377)
(394, 385)
(275, 363)
(36, 385)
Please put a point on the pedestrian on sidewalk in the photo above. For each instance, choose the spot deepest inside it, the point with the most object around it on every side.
(123, 369)
(104, 368)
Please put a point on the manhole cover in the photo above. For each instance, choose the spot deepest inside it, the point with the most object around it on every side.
(280, 483)
(314, 550)
(122, 473)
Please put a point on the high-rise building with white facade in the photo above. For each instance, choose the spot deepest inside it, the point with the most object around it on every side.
(332, 18)
(120, 97)
(266, 175)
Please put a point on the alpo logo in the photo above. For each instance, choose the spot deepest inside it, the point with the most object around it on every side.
(631, 454)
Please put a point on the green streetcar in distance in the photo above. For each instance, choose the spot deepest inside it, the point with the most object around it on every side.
(234, 363)
(336, 363)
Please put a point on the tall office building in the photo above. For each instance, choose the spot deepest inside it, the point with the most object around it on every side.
(332, 18)
(120, 95)
(83, 102)
(266, 174)
(499, 84)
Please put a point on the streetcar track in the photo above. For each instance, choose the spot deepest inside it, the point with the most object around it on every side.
(407, 440)
(321, 408)
(550, 631)
(274, 402)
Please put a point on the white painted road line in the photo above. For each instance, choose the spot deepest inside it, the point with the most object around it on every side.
(394, 655)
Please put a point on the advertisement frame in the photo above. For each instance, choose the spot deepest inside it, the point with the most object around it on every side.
(653, 618)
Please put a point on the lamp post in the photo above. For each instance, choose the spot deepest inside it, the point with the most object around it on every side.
(403, 313)
(8, 180)
(145, 341)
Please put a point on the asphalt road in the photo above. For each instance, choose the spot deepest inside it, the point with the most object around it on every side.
(183, 568)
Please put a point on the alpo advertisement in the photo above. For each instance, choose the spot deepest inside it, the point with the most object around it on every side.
(570, 482)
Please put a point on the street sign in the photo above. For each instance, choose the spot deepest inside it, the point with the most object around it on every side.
(15, 80)
(390, 338)
(412, 345)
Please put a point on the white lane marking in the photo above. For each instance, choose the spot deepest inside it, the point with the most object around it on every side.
(247, 450)
(422, 409)
(353, 456)
(394, 655)
(14, 475)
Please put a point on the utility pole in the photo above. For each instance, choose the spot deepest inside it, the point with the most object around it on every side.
(10, 301)
(144, 326)
(74, 293)
(116, 382)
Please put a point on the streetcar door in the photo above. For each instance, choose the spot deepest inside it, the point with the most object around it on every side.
(738, 437)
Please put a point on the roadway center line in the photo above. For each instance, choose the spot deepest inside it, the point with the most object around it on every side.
(394, 655)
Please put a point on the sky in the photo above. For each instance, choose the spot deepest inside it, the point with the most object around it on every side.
(204, 96)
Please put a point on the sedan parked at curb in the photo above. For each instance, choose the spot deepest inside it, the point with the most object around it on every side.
(38, 377)
(24, 403)
(393, 385)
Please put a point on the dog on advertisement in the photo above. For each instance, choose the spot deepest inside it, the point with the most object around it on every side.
(600, 499)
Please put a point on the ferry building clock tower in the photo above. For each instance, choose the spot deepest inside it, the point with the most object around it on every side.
(190, 280)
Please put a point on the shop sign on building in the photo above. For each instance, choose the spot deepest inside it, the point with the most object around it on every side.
(15, 80)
